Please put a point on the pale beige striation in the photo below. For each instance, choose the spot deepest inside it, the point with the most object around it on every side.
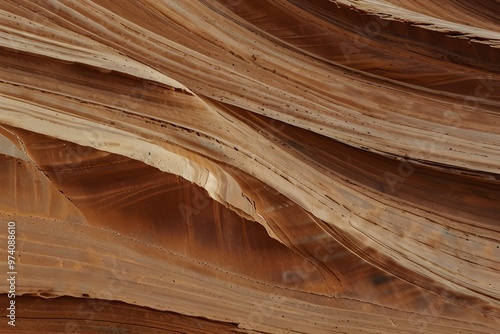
(304, 166)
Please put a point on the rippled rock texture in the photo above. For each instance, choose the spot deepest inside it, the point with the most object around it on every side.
(304, 166)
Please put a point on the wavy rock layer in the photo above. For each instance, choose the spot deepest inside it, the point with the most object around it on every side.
(252, 166)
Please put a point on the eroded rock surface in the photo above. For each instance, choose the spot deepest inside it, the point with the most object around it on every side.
(252, 166)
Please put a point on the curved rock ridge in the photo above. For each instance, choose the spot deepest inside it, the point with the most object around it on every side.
(304, 166)
(40, 312)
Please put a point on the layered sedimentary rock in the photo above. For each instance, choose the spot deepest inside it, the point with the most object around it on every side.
(252, 166)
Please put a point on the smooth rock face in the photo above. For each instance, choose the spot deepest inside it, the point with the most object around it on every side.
(304, 166)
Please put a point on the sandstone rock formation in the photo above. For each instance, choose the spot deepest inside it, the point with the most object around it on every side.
(213, 166)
